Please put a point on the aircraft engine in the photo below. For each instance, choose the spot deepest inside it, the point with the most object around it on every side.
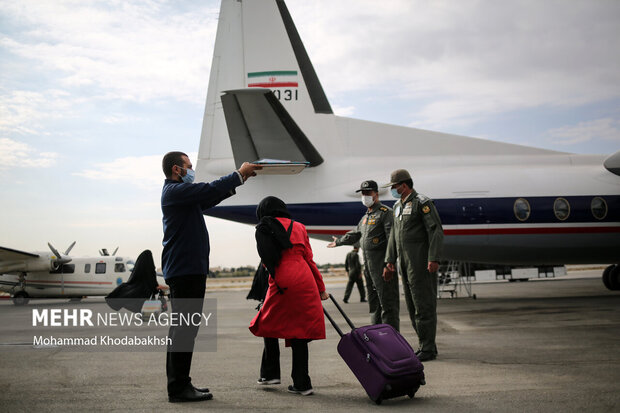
(58, 259)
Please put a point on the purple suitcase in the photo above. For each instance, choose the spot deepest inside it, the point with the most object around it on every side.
(381, 359)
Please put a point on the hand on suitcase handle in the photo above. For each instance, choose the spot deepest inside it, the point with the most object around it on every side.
(324, 295)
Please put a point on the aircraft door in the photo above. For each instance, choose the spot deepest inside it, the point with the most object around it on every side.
(473, 212)
(475, 225)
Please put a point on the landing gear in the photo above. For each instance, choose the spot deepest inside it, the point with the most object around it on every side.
(611, 277)
(21, 298)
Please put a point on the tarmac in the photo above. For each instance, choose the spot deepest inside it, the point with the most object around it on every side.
(546, 345)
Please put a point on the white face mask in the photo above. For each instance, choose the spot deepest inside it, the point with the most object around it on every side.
(368, 201)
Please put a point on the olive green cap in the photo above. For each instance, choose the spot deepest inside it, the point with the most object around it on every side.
(398, 176)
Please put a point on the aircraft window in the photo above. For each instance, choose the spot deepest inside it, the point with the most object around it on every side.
(561, 209)
(68, 268)
(599, 208)
(100, 268)
(130, 265)
(522, 209)
(86, 268)
(119, 267)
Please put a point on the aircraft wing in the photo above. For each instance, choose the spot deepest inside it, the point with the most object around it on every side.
(7, 254)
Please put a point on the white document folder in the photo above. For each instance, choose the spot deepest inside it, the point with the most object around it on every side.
(280, 167)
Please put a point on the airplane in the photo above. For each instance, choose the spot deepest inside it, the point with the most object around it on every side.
(500, 203)
(54, 275)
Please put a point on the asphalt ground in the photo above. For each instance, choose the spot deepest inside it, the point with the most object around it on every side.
(550, 345)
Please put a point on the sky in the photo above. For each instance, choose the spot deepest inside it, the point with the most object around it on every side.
(94, 93)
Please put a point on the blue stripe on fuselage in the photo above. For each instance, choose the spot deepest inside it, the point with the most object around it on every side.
(455, 211)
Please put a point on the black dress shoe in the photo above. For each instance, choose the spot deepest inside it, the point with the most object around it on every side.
(363, 300)
(189, 394)
(201, 389)
(345, 301)
(425, 356)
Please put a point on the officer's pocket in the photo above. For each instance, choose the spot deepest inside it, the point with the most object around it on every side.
(409, 220)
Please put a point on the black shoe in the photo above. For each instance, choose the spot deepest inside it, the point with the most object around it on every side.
(363, 300)
(265, 381)
(189, 394)
(308, 392)
(201, 389)
(345, 301)
(425, 356)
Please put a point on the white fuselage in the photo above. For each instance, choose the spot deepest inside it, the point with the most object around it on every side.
(475, 195)
(81, 277)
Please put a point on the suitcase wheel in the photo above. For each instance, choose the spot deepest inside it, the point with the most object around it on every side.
(412, 392)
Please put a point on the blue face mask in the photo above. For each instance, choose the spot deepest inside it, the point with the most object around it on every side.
(189, 176)
(395, 193)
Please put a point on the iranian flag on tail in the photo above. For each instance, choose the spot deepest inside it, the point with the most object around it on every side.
(275, 78)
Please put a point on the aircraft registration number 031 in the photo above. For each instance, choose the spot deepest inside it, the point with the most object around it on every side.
(286, 94)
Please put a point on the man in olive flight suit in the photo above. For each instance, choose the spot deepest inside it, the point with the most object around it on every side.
(417, 239)
(354, 268)
(373, 232)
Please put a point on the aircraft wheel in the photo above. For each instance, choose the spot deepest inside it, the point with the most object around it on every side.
(21, 298)
(614, 277)
(607, 276)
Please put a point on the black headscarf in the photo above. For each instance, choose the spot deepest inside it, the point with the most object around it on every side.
(271, 239)
(271, 236)
(272, 207)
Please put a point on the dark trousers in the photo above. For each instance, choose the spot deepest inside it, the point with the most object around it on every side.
(270, 364)
(355, 279)
(187, 294)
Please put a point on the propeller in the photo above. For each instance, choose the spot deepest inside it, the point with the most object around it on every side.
(104, 252)
(70, 248)
(60, 259)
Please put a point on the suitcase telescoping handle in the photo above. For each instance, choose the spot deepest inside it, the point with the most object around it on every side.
(331, 320)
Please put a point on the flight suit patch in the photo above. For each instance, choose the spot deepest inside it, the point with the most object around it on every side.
(364, 221)
(426, 209)
(375, 240)
(372, 222)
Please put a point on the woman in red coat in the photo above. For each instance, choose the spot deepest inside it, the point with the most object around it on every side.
(292, 309)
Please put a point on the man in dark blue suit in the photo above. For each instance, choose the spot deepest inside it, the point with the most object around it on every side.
(185, 259)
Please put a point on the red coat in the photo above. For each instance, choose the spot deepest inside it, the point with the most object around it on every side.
(298, 313)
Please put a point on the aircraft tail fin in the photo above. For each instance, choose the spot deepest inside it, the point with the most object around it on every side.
(258, 48)
(313, 85)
